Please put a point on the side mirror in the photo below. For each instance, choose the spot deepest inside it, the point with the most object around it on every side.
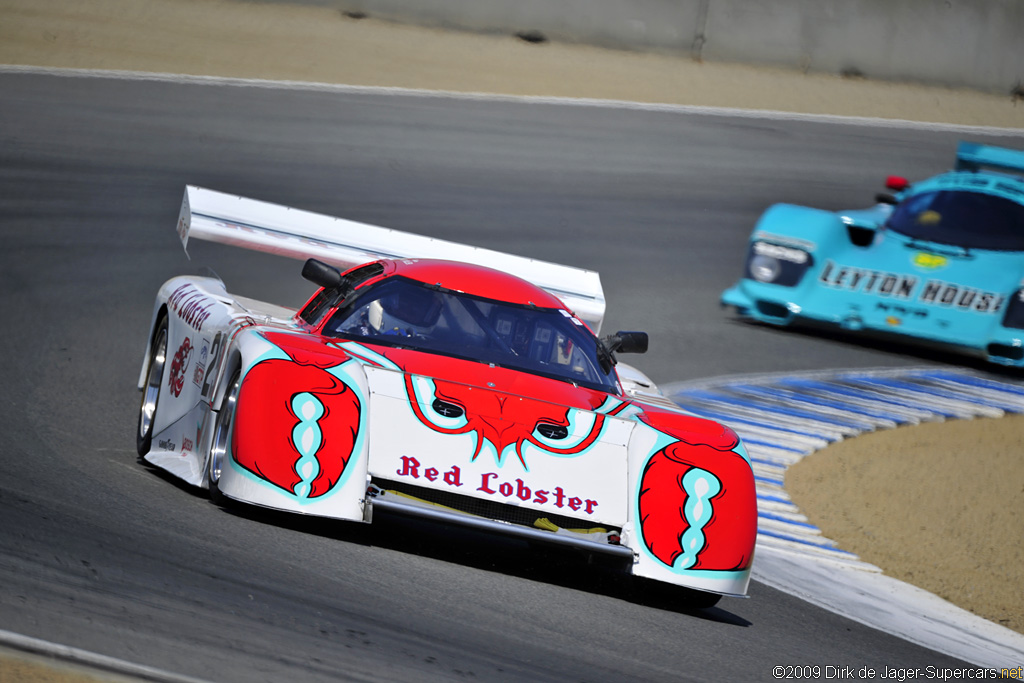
(319, 273)
(861, 234)
(627, 342)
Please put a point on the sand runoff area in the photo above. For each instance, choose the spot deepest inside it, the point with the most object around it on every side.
(938, 506)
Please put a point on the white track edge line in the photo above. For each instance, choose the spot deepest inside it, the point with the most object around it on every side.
(314, 86)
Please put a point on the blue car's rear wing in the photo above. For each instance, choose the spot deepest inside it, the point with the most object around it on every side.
(972, 156)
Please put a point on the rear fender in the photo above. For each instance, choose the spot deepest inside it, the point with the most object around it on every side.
(196, 309)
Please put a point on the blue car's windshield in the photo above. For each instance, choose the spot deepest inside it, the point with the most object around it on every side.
(972, 220)
(406, 313)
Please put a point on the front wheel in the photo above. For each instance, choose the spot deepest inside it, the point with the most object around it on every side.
(699, 599)
(223, 435)
(655, 592)
(151, 389)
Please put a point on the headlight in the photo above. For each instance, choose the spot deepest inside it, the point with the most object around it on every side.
(1014, 316)
(776, 264)
(764, 268)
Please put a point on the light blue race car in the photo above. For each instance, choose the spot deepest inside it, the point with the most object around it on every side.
(939, 262)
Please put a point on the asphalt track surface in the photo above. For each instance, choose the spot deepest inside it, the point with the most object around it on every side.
(103, 554)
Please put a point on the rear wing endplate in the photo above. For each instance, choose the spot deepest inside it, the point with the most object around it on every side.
(275, 229)
(972, 156)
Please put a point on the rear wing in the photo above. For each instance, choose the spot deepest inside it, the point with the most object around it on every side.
(275, 229)
(972, 156)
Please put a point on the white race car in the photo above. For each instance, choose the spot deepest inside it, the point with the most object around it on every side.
(440, 380)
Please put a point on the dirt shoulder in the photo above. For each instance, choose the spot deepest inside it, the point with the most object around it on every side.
(938, 506)
(299, 42)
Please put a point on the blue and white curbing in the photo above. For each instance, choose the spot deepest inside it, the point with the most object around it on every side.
(783, 418)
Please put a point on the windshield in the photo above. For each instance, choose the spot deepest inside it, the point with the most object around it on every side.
(966, 219)
(409, 314)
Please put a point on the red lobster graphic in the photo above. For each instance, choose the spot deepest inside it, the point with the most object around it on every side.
(502, 419)
(264, 427)
(722, 540)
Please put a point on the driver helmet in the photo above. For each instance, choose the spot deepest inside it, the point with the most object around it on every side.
(411, 312)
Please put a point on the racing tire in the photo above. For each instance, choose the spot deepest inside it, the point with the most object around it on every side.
(699, 599)
(223, 435)
(151, 389)
(655, 592)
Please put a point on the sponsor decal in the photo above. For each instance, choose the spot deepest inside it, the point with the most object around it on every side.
(186, 445)
(950, 295)
(909, 288)
(868, 281)
(900, 310)
(575, 321)
(198, 374)
(490, 484)
(798, 256)
(200, 370)
(167, 445)
(191, 305)
(926, 261)
(178, 367)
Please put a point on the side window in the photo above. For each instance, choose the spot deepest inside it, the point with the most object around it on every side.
(329, 298)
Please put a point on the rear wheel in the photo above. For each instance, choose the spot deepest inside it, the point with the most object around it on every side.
(151, 389)
(223, 435)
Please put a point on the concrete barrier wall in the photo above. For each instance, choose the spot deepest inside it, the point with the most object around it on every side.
(974, 43)
(977, 43)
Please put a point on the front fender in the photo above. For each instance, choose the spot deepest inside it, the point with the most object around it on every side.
(299, 438)
(812, 230)
(693, 505)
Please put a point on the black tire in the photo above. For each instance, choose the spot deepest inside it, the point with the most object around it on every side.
(699, 599)
(653, 592)
(223, 435)
(151, 389)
